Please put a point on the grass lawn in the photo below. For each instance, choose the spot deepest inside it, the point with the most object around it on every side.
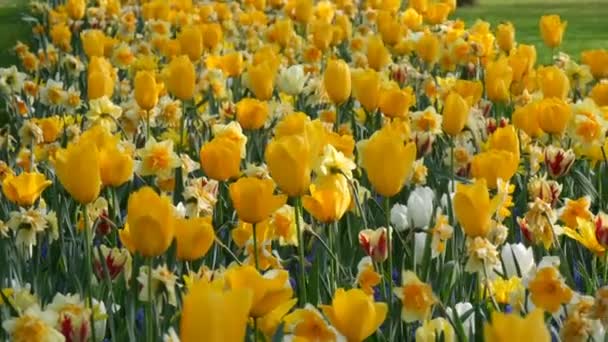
(587, 24)
(12, 29)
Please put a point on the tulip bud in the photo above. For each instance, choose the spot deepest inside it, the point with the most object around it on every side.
(146, 91)
(601, 228)
(117, 260)
(558, 161)
(424, 143)
(455, 114)
(505, 36)
(191, 42)
(182, 78)
(597, 60)
(337, 81)
(552, 30)
(374, 243)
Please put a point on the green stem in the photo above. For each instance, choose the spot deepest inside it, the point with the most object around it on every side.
(89, 268)
(389, 249)
(302, 275)
(150, 304)
(331, 231)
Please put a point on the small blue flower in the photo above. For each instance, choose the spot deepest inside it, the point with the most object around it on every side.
(139, 319)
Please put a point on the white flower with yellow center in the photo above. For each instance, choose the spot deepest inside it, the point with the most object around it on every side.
(157, 158)
(333, 161)
(427, 121)
(104, 112)
(163, 284)
(34, 325)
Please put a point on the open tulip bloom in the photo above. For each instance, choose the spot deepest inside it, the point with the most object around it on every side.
(300, 170)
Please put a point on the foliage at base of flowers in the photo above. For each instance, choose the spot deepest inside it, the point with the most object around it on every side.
(299, 170)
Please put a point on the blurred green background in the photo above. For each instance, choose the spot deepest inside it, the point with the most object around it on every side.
(587, 22)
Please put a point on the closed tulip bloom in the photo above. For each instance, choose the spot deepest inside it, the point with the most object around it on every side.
(395, 102)
(522, 61)
(599, 94)
(77, 168)
(337, 81)
(514, 327)
(493, 165)
(115, 166)
(498, 78)
(146, 90)
(251, 113)
(505, 36)
(194, 237)
(552, 30)
(261, 80)
(76, 8)
(303, 10)
(321, 32)
(378, 55)
(553, 82)
(469, 90)
(554, 115)
(191, 42)
(437, 13)
(26, 188)
(232, 64)
(213, 314)
(221, 159)
(428, 48)
(212, 35)
(269, 290)
(151, 222)
(253, 199)
(289, 162)
(474, 208)
(506, 139)
(355, 314)
(455, 114)
(597, 60)
(526, 118)
(181, 79)
(411, 19)
(366, 88)
(99, 84)
(329, 198)
(93, 42)
(387, 160)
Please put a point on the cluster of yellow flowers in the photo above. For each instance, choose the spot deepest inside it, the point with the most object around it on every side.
(300, 170)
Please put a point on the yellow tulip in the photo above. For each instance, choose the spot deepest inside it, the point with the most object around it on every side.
(553, 82)
(269, 290)
(378, 55)
(526, 118)
(355, 314)
(474, 208)
(553, 115)
(366, 88)
(329, 198)
(597, 60)
(428, 48)
(253, 199)
(115, 166)
(61, 36)
(505, 36)
(181, 78)
(93, 42)
(261, 80)
(303, 10)
(76, 8)
(522, 61)
(599, 94)
(421, 6)
(552, 30)
(412, 19)
(151, 222)
(194, 237)
(437, 13)
(469, 90)
(99, 84)
(26, 188)
(146, 90)
(389, 28)
(212, 35)
(494, 164)
(455, 114)
(77, 168)
(191, 42)
(251, 113)
(221, 159)
(51, 126)
(395, 102)
(337, 81)
(387, 160)
(506, 139)
(289, 162)
(212, 314)
(513, 327)
(321, 32)
(498, 78)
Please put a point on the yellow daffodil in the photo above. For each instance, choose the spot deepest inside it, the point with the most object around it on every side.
(548, 290)
(417, 298)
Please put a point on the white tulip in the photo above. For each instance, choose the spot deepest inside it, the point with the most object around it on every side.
(468, 323)
(511, 253)
(419, 246)
(292, 80)
(420, 206)
(399, 217)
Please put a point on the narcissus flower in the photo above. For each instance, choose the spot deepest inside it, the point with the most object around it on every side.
(474, 208)
(337, 81)
(194, 237)
(212, 314)
(253, 199)
(329, 198)
(416, 296)
(387, 160)
(181, 78)
(513, 327)
(78, 170)
(367, 277)
(548, 290)
(269, 290)
(355, 314)
(25, 188)
(552, 29)
(435, 329)
(157, 158)
(251, 113)
(151, 222)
